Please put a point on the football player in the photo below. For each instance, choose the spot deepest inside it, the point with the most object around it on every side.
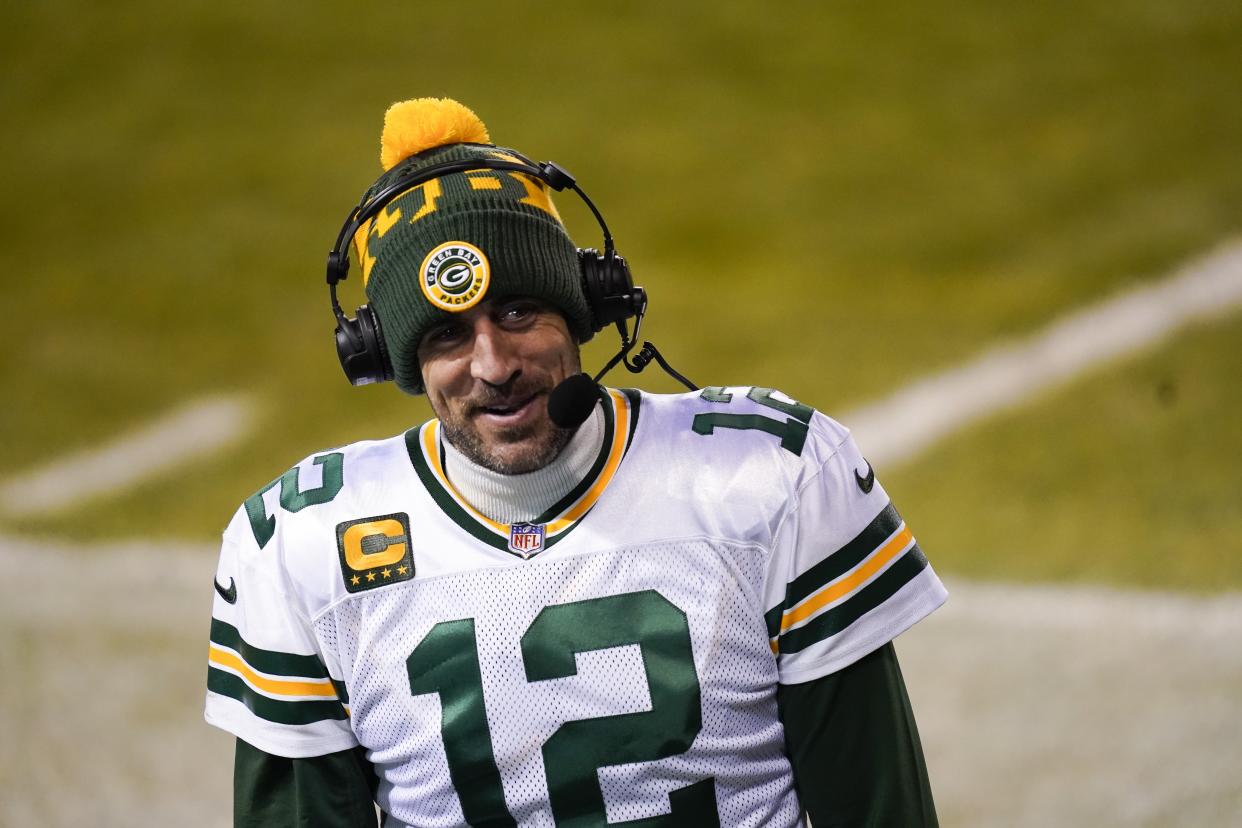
(556, 603)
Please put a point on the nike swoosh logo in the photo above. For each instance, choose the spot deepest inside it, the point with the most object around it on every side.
(229, 594)
(865, 483)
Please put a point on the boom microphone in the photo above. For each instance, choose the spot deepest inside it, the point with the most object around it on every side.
(572, 400)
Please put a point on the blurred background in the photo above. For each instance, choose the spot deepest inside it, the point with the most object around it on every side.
(844, 201)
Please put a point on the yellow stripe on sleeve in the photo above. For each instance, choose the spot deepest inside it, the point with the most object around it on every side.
(277, 687)
(839, 589)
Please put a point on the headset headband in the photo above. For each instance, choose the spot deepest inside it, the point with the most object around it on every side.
(551, 173)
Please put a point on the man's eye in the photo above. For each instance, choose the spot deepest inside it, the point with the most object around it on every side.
(518, 312)
(442, 335)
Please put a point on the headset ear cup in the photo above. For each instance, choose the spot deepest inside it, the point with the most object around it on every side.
(588, 265)
(609, 288)
(361, 350)
(371, 334)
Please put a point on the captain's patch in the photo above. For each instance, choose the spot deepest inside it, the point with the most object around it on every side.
(375, 551)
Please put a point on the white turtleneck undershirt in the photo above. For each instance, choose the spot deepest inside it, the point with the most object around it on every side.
(514, 498)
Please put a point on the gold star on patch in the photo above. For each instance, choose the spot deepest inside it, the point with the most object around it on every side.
(401, 570)
(370, 576)
(387, 573)
(355, 580)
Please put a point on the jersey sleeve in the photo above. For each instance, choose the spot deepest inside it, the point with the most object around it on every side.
(267, 679)
(846, 575)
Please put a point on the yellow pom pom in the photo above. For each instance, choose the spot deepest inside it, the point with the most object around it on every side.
(422, 123)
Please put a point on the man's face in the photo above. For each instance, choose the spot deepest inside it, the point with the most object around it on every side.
(488, 371)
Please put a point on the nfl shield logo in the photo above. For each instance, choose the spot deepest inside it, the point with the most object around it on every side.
(526, 539)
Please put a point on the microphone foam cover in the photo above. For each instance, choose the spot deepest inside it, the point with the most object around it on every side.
(571, 401)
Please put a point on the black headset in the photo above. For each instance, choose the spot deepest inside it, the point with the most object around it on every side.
(611, 295)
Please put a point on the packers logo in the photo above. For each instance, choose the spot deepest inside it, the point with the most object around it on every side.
(454, 276)
(375, 551)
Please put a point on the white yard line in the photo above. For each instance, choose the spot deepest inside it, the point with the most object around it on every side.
(898, 427)
(893, 429)
(189, 432)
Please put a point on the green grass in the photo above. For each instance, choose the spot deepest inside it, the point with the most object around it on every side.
(1126, 477)
(828, 198)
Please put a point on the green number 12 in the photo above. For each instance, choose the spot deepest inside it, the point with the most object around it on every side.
(446, 661)
(791, 431)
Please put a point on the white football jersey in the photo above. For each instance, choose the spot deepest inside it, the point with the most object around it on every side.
(614, 662)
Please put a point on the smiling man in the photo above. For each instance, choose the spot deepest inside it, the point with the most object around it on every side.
(672, 610)
(488, 372)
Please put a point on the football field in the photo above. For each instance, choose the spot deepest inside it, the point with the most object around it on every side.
(1001, 243)
(1038, 704)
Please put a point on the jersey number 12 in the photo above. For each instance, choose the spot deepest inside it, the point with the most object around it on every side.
(446, 662)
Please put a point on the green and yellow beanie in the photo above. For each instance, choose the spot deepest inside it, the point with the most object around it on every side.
(448, 243)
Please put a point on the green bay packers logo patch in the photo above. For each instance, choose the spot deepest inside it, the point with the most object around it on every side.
(375, 551)
(454, 276)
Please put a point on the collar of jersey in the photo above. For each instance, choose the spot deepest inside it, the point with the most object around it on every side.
(427, 456)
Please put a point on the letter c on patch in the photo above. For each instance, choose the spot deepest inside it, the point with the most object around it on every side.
(390, 530)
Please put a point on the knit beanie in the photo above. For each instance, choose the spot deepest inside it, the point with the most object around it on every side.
(452, 241)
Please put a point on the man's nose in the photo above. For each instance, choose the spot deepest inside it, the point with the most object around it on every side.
(493, 359)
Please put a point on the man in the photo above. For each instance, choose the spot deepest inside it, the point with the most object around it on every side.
(677, 613)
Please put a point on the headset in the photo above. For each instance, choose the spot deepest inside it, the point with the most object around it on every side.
(611, 295)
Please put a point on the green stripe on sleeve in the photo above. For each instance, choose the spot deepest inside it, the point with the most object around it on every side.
(835, 565)
(272, 662)
(845, 558)
(273, 710)
(857, 605)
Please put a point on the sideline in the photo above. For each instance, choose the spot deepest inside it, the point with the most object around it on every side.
(186, 433)
(1037, 705)
(1079, 705)
(69, 574)
(898, 427)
